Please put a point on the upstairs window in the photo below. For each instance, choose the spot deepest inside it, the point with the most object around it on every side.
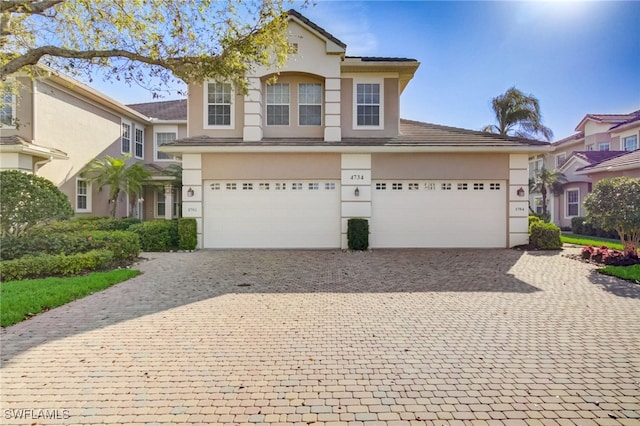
(560, 159)
(218, 108)
(161, 136)
(278, 104)
(7, 107)
(630, 143)
(604, 146)
(310, 104)
(139, 146)
(368, 104)
(125, 138)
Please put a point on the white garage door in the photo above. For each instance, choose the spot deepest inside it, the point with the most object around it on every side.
(271, 214)
(439, 213)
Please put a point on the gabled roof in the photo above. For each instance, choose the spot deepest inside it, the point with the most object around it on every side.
(594, 157)
(163, 110)
(570, 139)
(634, 121)
(606, 119)
(623, 161)
(322, 31)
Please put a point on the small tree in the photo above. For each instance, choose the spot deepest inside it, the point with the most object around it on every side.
(614, 204)
(546, 181)
(118, 175)
(27, 200)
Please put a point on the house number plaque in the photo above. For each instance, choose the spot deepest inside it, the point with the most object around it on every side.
(356, 177)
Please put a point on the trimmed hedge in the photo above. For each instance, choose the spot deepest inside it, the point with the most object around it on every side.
(579, 225)
(47, 265)
(187, 234)
(545, 236)
(88, 223)
(532, 220)
(358, 234)
(157, 235)
(124, 245)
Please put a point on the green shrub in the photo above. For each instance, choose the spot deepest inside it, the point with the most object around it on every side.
(188, 234)
(85, 223)
(545, 236)
(47, 265)
(174, 234)
(156, 235)
(358, 234)
(581, 226)
(533, 219)
(124, 245)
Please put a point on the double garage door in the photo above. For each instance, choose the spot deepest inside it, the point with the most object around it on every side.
(307, 214)
(271, 214)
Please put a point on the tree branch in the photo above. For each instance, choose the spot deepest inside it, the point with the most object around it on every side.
(27, 6)
(34, 55)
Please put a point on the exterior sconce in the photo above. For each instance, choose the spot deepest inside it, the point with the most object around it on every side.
(141, 200)
(520, 192)
(356, 192)
(190, 192)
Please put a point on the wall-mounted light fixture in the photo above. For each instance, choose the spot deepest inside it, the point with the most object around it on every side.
(190, 192)
(141, 200)
(356, 192)
(520, 192)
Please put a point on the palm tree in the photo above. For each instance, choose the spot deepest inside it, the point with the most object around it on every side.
(118, 175)
(546, 181)
(517, 114)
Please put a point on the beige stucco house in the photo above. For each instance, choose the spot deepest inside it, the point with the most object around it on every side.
(288, 164)
(53, 125)
(605, 145)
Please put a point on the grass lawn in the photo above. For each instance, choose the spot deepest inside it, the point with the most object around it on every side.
(22, 299)
(586, 240)
(629, 273)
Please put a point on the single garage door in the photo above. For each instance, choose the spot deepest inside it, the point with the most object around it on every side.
(432, 213)
(271, 214)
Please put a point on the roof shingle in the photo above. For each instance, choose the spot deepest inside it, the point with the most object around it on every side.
(163, 110)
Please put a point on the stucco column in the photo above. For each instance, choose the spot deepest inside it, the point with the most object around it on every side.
(192, 190)
(332, 129)
(356, 190)
(518, 199)
(252, 130)
(168, 202)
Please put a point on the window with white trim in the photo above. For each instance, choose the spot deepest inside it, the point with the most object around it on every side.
(309, 104)
(83, 196)
(161, 203)
(139, 144)
(330, 186)
(630, 143)
(381, 186)
(590, 147)
(368, 103)
(573, 202)
(8, 106)
(537, 205)
(604, 146)
(560, 159)
(535, 166)
(218, 108)
(125, 138)
(162, 135)
(278, 104)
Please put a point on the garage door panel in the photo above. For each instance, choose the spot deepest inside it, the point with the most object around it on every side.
(438, 214)
(272, 215)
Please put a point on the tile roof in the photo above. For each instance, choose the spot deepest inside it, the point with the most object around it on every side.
(570, 139)
(412, 133)
(594, 157)
(163, 110)
(380, 59)
(625, 160)
(635, 118)
(614, 119)
(15, 140)
(293, 12)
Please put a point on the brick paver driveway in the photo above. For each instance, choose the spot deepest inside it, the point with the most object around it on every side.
(326, 338)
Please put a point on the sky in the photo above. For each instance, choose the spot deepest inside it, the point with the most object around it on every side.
(575, 57)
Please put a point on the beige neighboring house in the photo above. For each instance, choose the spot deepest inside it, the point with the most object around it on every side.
(605, 145)
(53, 125)
(288, 164)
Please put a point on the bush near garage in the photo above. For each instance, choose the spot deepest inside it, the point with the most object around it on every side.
(545, 236)
(187, 234)
(157, 235)
(46, 265)
(358, 234)
(124, 245)
(534, 219)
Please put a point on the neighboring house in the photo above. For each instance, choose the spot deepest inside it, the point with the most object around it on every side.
(53, 125)
(287, 164)
(605, 145)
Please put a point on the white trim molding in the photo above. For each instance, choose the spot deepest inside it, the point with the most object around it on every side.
(380, 83)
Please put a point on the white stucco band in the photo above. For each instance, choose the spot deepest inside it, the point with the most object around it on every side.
(518, 195)
(192, 180)
(355, 179)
